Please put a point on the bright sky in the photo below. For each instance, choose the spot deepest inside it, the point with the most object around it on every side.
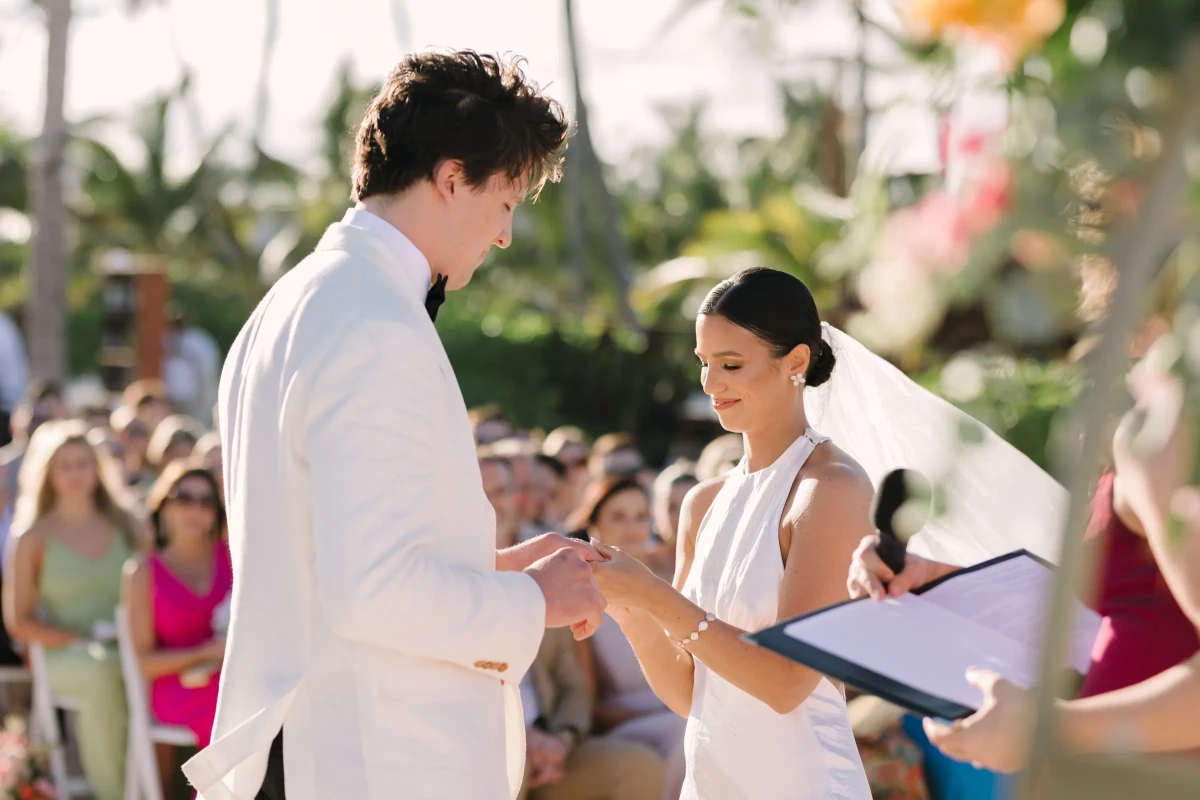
(117, 60)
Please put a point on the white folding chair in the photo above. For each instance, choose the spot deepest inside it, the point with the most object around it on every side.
(142, 778)
(44, 726)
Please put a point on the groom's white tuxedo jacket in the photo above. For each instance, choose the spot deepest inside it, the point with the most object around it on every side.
(368, 618)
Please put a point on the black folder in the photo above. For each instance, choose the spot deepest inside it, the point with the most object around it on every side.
(901, 694)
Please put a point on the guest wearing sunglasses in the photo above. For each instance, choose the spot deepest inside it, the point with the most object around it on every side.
(174, 594)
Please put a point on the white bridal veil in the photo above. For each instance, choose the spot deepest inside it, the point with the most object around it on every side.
(997, 499)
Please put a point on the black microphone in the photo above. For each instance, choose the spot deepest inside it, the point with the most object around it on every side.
(901, 508)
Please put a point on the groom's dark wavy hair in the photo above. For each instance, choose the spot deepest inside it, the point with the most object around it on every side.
(478, 109)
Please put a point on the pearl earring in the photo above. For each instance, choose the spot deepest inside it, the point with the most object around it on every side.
(798, 380)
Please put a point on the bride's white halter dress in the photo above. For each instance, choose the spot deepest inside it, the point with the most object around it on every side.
(737, 747)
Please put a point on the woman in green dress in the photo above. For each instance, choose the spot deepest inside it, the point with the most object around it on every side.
(62, 583)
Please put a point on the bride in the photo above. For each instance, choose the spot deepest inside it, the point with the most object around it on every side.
(768, 541)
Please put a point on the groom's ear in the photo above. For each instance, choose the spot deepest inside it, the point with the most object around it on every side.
(449, 178)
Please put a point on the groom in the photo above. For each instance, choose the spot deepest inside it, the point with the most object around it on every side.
(378, 639)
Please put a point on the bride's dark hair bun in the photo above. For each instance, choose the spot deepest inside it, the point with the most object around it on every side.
(779, 309)
(822, 364)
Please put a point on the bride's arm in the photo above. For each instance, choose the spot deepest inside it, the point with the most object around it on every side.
(827, 517)
(668, 667)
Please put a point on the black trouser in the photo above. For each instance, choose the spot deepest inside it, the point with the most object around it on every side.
(272, 787)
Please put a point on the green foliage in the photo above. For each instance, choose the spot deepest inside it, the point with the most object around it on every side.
(14, 170)
(544, 377)
(219, 307)
(1018, 399)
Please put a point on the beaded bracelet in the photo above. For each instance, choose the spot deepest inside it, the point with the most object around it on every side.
(703, 626)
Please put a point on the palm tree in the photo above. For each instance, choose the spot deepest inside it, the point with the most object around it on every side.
(139, 209)
(850, 140)
(592, 175)
(262, 93)
(47, 306)
(47, 309)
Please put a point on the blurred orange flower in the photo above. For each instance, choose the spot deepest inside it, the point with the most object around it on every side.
(1036, 250)
(1015, 26)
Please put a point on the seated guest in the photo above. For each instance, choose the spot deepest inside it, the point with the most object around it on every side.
(147, 400)
(528, 495)
(720, 456)
(615, 454)
(44, 402)
(617, 512)
(134, 438)
(894, 762)
(570, 447)
(563, 762)
(104, 440)
(208, 453)
(62, 582)
(172, 595)
(95, 416)
(670, 487)
(498, 486)
(173, 440)
(490, 424)
(552, 492)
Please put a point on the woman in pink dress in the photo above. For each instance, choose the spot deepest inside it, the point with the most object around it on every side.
(175, 598)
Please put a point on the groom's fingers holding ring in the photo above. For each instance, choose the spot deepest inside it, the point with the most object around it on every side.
(583, 549)
(604, 550)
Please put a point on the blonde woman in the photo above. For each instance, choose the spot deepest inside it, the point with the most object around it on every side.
(62, 583)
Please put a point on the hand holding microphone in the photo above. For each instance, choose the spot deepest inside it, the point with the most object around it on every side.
(882, 565)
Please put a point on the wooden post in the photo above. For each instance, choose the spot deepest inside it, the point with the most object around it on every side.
(136, 293)
(150, 320)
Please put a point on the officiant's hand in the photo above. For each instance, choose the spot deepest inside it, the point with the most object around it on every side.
(868, 573)
(572, 595)
(996, 736)
(622, 578)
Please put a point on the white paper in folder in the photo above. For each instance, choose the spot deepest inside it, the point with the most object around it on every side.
(992, 616)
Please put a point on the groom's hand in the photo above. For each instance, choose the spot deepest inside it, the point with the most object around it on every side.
(522, 556)
(572, 596)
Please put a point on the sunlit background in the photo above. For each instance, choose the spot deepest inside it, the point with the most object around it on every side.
(973, 188)
(214, 138)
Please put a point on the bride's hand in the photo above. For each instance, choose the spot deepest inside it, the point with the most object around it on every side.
(623, 579)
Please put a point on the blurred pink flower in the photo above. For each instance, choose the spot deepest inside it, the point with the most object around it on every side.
(932, 235)
(45, 789)
(989, 196)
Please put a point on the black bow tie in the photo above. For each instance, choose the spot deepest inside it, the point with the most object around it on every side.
(436, 296)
